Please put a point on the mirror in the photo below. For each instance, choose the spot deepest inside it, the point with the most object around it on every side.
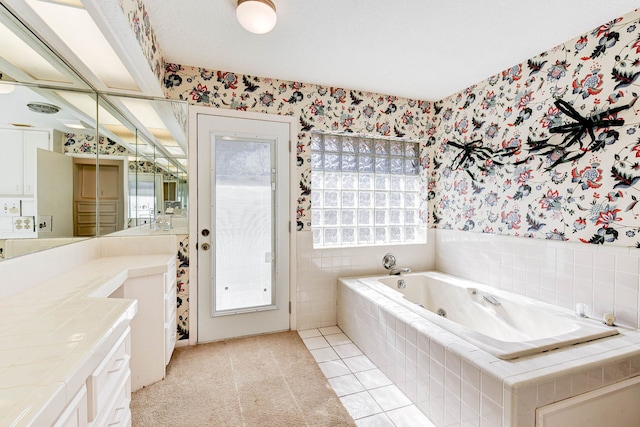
(153, 135)
(76, 164)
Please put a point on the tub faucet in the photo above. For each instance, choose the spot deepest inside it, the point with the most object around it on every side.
(397, 271)
(389, 262)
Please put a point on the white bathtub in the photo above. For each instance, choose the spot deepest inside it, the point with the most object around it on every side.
(503, 324)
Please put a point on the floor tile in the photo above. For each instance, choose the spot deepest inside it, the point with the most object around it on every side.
(369, 396)
(359, 363)
(409, 416)
(390, 397)
(337, 339)
(347, 350)
(315, 342)
(324, 354)
(330, 330)
(346, 384)
(373, 379)
(378, 420)
(334, 368)
(360, 405)
(309, 333)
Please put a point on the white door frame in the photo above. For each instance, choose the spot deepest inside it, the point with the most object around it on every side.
(193, 205)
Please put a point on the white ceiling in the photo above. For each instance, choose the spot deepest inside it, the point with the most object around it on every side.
(421, 49)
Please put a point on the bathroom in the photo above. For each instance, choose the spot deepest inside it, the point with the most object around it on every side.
(563, 235)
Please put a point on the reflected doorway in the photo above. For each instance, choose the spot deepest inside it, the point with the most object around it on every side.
(98, 197)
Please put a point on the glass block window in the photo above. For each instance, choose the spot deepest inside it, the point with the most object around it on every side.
(364, 191)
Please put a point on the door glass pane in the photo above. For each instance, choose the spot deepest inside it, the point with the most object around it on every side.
(243, 209)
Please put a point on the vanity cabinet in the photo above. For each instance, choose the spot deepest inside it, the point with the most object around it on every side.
(96, 328)
(153, 330)
(103, 400)
(109, 387)
(75, 414)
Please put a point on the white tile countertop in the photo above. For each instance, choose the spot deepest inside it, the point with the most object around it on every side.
(53, 334)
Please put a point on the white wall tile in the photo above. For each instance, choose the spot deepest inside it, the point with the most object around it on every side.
(318, 271)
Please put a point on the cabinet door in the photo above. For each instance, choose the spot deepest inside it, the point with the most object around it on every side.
(33, 140)
(11, 162)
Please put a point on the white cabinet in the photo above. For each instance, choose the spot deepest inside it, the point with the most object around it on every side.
(18, 160)
(105, 397)
(170, 325)
(153, 330)
(75, 414)
(11, 162)
(107, 386)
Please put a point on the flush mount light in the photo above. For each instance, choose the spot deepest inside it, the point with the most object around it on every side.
(74, 124)
(7, 88)
(43, 107)
(256, 16)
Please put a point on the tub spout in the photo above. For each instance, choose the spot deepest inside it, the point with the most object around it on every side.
(398, 271)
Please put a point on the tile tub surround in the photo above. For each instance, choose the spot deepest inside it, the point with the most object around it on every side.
(605, 278)
(319, 269)
(454, 382)
(55, 320)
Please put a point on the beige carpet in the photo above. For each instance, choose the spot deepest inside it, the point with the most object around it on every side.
(267, 380)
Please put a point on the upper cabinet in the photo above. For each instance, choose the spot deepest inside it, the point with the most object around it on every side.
(11, 155)
(18, 157)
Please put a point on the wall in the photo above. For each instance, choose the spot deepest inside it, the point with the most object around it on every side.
(516, 177)
(138, 21)
(499, 167)
(582, 214)
(320, 108)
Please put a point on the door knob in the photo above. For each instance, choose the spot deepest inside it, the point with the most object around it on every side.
(205, 246)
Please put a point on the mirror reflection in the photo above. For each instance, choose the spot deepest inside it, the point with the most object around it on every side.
(75, 164)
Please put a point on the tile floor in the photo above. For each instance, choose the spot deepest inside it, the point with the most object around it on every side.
(369, 396)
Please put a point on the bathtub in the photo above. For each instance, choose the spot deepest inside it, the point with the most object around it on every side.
(505, 325)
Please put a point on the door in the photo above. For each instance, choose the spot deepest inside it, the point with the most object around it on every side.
(109, 209)
(243, 226)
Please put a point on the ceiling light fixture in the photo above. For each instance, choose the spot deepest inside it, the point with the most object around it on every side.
(43, 107)
(7, 88)
(257, 16)
(74, 124)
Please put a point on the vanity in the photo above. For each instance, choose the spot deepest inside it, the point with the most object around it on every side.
(83, 326)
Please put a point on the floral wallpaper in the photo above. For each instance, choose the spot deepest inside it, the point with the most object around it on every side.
(86, 144)
(549, 148)
(182, 282)
(138, 20)
(316, 107)
(545, 149)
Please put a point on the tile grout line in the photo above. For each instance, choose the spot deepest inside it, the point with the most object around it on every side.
(399, 420)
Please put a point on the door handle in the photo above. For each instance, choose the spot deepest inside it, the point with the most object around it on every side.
(205, 246)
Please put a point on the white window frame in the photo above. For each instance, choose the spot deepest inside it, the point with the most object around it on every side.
(365, 191)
